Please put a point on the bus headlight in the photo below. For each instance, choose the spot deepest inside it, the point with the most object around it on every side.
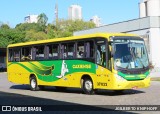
(119, 78)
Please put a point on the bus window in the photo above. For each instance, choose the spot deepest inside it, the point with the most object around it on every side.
(10, 55)
(101, 53)
(26, 54)
(80, 50)
(89, 49)
(48, 52)
(16, 53)
(39, 52)
(70, 50)
(64, 51)
(55, 51)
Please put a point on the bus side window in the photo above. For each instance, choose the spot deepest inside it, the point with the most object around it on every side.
(16, 53)
(101, 53)
(48, 52)
(33, 53)
(89, 49)
(71, 52)
(80, 50)
(40, 53)
(64, 53)
(55, 49)
(10, 55)
(26, 54)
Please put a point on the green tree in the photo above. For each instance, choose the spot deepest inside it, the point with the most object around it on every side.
(10, 36)
(4, 26)
(66, 28)
(28, 26)
(34, 36)
(42, 21)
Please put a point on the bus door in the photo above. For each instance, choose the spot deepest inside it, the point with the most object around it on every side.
(102, 62)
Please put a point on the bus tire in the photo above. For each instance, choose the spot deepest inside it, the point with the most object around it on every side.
(33, 84)
(87, 86)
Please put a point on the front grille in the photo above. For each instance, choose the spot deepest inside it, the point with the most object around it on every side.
(134, 71)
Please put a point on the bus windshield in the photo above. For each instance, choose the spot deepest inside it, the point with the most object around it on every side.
(129, 54)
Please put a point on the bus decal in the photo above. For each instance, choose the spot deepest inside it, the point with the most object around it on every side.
(38, 69)
(64, 70)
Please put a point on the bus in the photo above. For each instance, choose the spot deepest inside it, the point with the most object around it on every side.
(111, 61)
(3, 59)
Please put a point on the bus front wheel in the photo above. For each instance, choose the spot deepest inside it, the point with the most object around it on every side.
(33, 84)
(87, 86)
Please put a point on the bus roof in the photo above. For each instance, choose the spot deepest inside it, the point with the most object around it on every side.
(106, 35)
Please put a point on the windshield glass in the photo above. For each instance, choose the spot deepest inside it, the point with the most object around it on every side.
(130, 54)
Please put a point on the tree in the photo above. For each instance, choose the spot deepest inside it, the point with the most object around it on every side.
(66, 28)
(34, 36)
(28, 26)
(10, 36)
(5, 26)
(42, 21)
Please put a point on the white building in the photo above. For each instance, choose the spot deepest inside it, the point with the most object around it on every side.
(96, 20)
(31, 19)
(147, 26)
(75, 12)
(149, 8)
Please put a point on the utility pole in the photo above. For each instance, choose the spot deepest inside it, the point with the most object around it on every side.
(56, 13)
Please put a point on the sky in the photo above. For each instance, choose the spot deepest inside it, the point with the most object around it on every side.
(13, 12)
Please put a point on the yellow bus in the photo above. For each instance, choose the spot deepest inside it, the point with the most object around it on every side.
(96, 61)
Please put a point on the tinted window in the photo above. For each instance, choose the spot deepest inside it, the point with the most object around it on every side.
(10, 55)
(26, 54)
(67, 50)
(39, 52)
(71, 51)
(55, 49)
(89, 49)
(16, 53)
(80, 50)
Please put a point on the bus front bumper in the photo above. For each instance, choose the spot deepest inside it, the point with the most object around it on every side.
(122, 85)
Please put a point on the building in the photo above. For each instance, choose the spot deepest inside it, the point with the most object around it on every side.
(147, 26)
(149, 8)
(75, 12)
(96, 20)
(31, 19)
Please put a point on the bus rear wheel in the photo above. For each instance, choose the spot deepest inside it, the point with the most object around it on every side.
(87, 86)
(33, 84)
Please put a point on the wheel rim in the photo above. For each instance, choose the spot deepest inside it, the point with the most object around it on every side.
(88, 85)
(33, 83)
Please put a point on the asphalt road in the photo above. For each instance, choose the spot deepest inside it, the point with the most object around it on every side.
(12, 94)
